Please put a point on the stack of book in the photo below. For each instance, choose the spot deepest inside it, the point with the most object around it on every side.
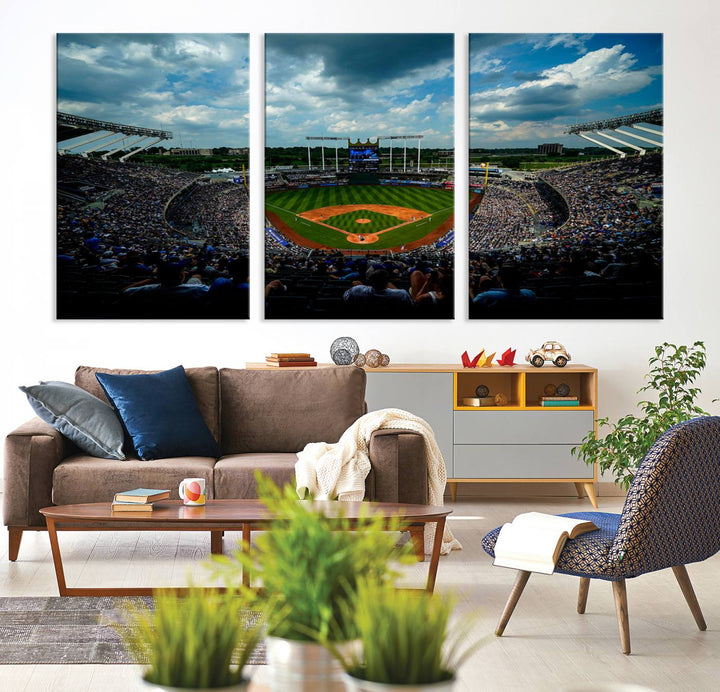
(290, 360)
(559, 401)
(138, 500)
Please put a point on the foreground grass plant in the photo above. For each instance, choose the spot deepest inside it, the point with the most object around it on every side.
(405, 637)
(195, 641)
(310, 564)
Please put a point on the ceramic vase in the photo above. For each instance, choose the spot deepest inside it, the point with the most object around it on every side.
(299, 666)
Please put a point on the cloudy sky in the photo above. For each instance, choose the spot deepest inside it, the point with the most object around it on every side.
(195, 85)
(358, 86)
(525, 89)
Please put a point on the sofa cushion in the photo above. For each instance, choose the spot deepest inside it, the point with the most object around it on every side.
(203, 382)
(281, 411)
(82, 478)
(160, 413)
(83, 418)
(235, 475)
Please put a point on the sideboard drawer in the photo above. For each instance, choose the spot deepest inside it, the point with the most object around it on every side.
(519, 461)
(522, 427)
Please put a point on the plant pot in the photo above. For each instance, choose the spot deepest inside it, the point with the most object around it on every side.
(239, 687)
(295, 666)
(357, 685)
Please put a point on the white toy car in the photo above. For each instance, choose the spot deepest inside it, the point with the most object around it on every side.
(551, 350)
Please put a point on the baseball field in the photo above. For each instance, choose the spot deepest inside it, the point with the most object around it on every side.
(367, 217)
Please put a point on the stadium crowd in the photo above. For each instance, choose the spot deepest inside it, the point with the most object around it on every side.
(604, 261)
(331, 284)
(119, 257)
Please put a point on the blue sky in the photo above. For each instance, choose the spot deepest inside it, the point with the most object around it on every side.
(525, 89)
(359, 86)
(195, 85)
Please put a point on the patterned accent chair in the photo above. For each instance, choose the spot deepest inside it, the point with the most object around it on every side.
(671, 518)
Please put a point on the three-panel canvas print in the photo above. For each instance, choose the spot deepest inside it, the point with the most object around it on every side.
(562, 206)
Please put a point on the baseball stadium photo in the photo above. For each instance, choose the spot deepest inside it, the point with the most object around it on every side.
(152, 176)
(359, 176)
(566, 176)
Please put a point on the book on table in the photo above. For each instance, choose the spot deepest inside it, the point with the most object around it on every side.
(533, 541)
(141, 496)
(131, 506)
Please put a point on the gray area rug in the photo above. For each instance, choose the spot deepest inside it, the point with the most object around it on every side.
(69, 630)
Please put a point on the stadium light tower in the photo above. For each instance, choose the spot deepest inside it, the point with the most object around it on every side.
(635, 121)
(404, 138)
(322, 149)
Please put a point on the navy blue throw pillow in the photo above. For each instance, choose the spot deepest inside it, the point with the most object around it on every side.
(160, 413)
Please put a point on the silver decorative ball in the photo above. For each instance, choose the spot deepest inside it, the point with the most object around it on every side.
(343, 350)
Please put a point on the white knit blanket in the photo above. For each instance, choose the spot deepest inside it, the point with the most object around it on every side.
(329, 471)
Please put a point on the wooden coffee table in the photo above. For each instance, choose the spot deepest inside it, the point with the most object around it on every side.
(218, 516)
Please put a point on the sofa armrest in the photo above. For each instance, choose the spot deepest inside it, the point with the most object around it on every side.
(32, 452)
(399, 472)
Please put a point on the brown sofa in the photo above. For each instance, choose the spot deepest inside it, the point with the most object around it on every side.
(260, 419)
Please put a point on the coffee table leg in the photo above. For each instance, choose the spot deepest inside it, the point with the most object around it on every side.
(216, 542)
(57, 558)
(435, 557)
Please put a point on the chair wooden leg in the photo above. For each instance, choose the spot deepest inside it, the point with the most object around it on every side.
(684, 580)
(620, 594)
(14, 538)
(583, 594)
(515, 594)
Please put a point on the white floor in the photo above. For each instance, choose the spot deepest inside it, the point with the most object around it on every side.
(547, 646)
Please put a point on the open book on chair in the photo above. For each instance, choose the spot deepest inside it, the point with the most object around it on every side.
(533, 541)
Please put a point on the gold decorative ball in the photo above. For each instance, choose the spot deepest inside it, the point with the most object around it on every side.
(359, 360)
(373, 358)
(550, 390)
(385, 360)
(500, 399)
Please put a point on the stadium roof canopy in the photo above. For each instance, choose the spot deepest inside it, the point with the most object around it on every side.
(105, 133)
(636, 121)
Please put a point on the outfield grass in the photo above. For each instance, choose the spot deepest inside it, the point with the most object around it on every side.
(287, 204)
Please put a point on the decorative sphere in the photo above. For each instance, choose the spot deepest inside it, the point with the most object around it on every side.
(482, 391)
(500, 399)
(359, 360)
(344, 343)
(563, 389)
(342, 357)
(385, 360)
(550, 390)
(373, 358)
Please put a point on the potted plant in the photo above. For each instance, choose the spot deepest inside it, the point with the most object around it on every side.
(405, 641)
(310, 565)
(196, 641)
(673, 372)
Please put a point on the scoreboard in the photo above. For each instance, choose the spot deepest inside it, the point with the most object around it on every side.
(364, 156)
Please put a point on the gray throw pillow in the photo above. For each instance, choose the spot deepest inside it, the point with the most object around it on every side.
(83, 418)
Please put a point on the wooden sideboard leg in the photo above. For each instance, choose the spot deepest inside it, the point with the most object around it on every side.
(621, 608)
(216, 542)
(14, 538)
(417, 536)
(580, 490)
(453, 491)
(583, 594)
(590, 490)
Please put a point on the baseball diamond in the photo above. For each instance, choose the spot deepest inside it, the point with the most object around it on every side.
(373, 216)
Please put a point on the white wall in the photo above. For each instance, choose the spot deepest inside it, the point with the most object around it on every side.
(36, 346)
